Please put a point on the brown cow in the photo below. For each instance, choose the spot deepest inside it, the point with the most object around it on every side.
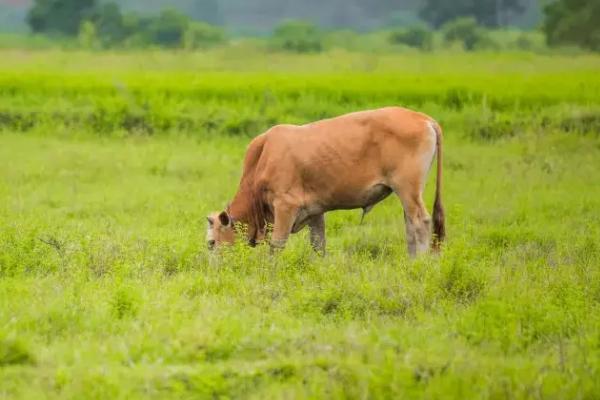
(294, 174)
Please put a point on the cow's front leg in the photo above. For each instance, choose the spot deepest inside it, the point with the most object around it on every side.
(285, 216)
(316, 225)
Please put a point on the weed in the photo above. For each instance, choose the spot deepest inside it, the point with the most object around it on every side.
(14, 352)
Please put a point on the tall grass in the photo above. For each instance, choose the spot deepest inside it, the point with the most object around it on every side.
(487, 95)
(107, 289)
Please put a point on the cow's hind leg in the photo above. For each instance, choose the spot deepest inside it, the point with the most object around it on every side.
(408, 182)
(316, 225)
(418, 225)
(416, 218)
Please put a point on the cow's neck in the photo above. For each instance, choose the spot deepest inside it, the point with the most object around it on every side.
(241, 210)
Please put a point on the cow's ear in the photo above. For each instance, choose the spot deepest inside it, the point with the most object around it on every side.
(211, 221)
(224, 218)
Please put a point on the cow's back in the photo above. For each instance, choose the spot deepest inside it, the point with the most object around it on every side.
(332, 160)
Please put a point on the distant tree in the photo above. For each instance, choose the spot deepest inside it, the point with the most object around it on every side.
(486, 12)
(200, 35)
(135, 28)
(298, 36)
(573, 22)
(465, 30)
(415, 36)
(88, 37)
(110, 26)
(59, 16)
(167, 29)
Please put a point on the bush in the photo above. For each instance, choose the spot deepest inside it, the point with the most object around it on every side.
(298, 36)
(110, 26)
(417, 36)
(343, 39)
(465, 30)
(202, 35)
(485, 12)
(167, 29)
(125, 302)
(88, 38)
(513, 39)
(59, 16)
(133, 26)
(573, 22)
(487, 42)
(105, 26)
(524, 42)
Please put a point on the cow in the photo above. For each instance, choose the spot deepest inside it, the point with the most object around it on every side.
(294, 174)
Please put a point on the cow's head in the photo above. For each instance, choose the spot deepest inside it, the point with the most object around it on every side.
(220, 230)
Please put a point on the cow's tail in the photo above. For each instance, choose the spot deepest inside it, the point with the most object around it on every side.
(439, 224)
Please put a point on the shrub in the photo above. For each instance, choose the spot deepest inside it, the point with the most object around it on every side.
(167, 29)
(88, 38)
(461, 282)
(487, 42)
(59, 16)
(110, 25)
(125, 302)
(490, 127)
(298, 36)
(524, 42)
(133, 26)
(573, 22)
(513, 39)
(344, 39)
(202, 35)
(464, 30)
(485, 12)
(417, 36)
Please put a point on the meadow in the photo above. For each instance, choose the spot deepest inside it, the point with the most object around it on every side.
(110, 162)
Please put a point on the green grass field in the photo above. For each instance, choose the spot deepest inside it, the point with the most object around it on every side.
(110, 162)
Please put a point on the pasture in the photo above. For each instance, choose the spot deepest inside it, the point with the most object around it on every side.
(110, 162)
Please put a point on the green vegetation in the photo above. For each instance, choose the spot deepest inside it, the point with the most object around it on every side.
(260, 16)
(573, 22)
(107, 289)
(103, 25)
(417, 36)
(59, 16)
(199, 24)
(297, 36)
(484, 12)
(466, 32)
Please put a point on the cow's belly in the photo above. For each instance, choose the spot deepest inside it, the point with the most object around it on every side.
(348, 200)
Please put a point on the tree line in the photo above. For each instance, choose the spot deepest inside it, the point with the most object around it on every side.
(101, 24)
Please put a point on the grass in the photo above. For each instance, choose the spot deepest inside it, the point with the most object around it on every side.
(107, 290)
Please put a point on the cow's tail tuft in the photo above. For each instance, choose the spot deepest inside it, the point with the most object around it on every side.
(439, 224)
